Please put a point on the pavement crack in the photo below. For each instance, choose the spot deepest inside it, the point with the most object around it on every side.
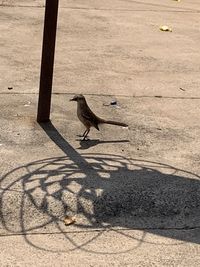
(116, 95)
(185, 228)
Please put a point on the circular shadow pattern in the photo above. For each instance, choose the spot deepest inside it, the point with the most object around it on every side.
(103, 191)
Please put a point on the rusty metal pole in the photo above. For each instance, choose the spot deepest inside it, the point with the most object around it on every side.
(48, 51)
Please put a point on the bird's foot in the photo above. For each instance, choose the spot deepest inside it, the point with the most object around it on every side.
(85, 138)
(80, 135)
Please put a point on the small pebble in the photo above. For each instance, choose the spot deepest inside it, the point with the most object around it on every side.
(113, 102)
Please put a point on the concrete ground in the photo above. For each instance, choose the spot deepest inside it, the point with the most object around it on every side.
(134, 192)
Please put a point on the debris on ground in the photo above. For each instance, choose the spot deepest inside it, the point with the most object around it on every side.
(165, 28)
(69, 220)
(112, 103)
(182, 89)
(10, 88)
(27, 104)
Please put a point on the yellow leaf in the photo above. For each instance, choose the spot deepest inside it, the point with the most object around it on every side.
(165, 28)
(69, 220)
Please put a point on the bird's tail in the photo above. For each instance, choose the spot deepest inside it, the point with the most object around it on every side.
(114, 123)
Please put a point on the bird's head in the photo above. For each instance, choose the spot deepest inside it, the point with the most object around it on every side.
(78, 98)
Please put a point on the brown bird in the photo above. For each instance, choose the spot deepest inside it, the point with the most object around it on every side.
(88, 118)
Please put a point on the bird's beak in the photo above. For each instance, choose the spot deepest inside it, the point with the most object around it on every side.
(72, 99)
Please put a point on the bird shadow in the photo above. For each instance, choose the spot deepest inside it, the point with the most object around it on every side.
(85, 144)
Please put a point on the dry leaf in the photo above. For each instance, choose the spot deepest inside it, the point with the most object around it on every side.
(165, 28)
(69, 220)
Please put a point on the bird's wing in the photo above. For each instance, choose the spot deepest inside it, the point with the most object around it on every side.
(91, 117)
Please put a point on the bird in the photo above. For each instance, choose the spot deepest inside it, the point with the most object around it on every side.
(88, 118)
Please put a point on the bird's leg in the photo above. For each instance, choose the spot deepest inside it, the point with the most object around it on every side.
(86, 134)
(82, 135)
